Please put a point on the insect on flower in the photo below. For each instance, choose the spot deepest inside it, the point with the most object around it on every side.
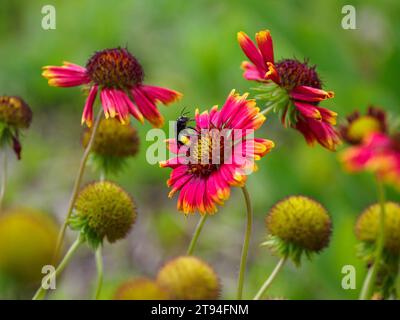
(181, 125)
(208, 164)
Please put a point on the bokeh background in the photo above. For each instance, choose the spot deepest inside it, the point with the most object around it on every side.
(191, 46)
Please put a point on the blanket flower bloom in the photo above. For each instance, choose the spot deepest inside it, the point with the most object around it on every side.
(379, 153)
(118, 77)
(292, 88)
(358, 126)
(219, 155)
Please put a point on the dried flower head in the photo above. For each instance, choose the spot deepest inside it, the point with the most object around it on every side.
(298, 224)
(141, 289)
(27, 243)
(189, 278)
(113, 144)
(103, 210)
(15, 115)
(118, 75)
(292, 88)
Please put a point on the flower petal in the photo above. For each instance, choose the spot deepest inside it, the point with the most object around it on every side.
(160, 94)
(264, 42)
(251, 51)
(87, 115)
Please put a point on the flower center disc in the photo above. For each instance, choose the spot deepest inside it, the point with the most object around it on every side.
(293, 73)
(115, 68)
(206, 153)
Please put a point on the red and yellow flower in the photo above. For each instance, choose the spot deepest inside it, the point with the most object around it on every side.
(379, 153)
(292, 88)
(359, 126)
(118, 77)
(219, 155)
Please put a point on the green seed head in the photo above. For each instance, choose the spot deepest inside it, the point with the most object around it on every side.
(298, 224)
(367, 226)
(103, 210)
(113, 139)
(189, 278)
(141, 289)
(27, 243)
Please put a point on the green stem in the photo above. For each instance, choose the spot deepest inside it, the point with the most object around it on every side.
(270, 279)
(246, 242)
(41, 292)
(3, 178)
(77, 185)
(369, 282)
(196, 234)
(99, 266)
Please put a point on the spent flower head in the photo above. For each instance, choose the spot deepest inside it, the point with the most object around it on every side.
(27, 243)
(189, 278)
(291, 88)
(103, 210)
(367, 232)
(141, 289)
(298, 225)
(15, 115)
(367, 226)
(113, 144)
(118, 76)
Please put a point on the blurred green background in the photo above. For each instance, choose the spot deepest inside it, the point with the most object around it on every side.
(191, 46)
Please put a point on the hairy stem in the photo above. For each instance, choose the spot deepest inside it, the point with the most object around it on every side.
(41, 292)
(99, 266)
(369, 282)
(270, 279)
(246, 242)
(196, 234)
(77, 185)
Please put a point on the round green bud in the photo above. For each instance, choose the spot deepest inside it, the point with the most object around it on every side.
(27, 243)
(189, 278)
(141, 289)
(103, 210)
(113, 139)
(14, 112)
(300, 222)
(367, 226)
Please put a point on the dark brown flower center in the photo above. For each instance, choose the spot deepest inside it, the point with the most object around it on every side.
(206, 153)
(115, 68)
(293, 73)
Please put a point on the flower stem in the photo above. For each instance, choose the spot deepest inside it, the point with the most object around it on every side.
(196, 234)
(270, 279)
(77, 185)
(369, 282)
(41, 292)
(3, 178)
(99, 266)
(246, 242)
